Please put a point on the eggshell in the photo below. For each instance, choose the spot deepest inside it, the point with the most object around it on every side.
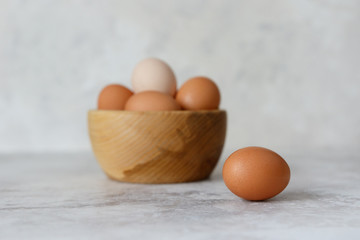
(153, 74)
(199, 93)
(256, 173)
(151, 101)
(113, 97)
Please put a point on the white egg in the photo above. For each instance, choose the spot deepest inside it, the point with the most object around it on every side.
(153, 74)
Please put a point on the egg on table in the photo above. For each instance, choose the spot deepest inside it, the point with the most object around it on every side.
(256, 173)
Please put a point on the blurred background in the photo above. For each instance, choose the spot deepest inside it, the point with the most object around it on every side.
(288, 71)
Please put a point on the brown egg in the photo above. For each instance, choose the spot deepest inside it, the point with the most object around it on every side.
(151, 101)
(113, 97)
(256, 173)
(198, 93)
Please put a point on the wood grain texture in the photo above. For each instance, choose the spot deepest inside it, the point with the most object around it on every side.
(159, 146)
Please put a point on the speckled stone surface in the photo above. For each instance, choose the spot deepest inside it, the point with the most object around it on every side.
(66, 196)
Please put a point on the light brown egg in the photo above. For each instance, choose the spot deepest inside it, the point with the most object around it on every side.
(113, 97)
(198, 93)
(152, 74)
(256, 173)
(151, 101)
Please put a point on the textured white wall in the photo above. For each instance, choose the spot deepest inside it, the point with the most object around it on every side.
(288, 71)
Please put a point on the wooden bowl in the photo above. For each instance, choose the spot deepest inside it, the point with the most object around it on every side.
(157, 146)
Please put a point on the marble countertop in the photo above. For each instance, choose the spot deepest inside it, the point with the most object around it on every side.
(66, 196)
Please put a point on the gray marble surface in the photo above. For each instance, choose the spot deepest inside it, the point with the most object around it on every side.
(66, 196)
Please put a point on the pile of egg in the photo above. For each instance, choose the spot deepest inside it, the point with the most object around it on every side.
(252, 173)
(154, 89)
